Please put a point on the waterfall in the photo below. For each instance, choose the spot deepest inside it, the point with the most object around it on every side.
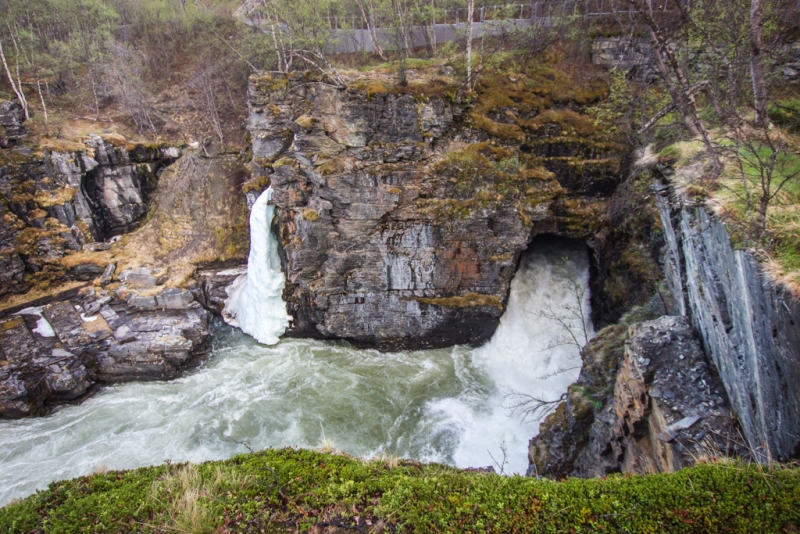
(530, 353)
(444, 405)
(254, 301)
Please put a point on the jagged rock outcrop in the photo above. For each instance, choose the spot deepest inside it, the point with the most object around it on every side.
(667, 410)
(112, 183)
(749, 325)
(55, 203)
(12, 128)
(55, 353)
(402, 215)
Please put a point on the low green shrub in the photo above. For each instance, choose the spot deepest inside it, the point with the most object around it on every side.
(786, 113)
(301, 490)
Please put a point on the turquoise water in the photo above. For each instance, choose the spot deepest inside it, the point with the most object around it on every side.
(442, 405)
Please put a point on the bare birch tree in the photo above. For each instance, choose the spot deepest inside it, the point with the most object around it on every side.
(676, 80)
(756, 64)
(368, 15)
(16, 86)
(470, 14)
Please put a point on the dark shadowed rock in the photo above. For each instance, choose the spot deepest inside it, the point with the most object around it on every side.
(98, 337)
(12, 128)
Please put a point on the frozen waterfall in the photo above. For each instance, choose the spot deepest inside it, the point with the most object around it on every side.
(254, 299)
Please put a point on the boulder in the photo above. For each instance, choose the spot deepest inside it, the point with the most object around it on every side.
(12, 128)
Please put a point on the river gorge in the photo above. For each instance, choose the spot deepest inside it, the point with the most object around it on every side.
(441, 405)
(385, 270)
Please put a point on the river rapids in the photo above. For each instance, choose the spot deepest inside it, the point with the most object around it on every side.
(445, 405)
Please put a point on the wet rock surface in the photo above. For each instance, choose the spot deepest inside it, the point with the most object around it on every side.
(401, 218)
(667, 410)
(56, 353)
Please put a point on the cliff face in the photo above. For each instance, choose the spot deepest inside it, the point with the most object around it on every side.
(54, 203)
(750, 327)
(402, 215)
(130, 310)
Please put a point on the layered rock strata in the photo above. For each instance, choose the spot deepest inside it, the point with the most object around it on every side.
(402, 215)
(749, 325)
(55, 353)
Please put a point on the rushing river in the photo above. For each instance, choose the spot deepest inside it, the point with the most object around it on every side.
(440, 405)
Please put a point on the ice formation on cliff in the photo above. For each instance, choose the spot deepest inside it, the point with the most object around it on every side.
(254, 299)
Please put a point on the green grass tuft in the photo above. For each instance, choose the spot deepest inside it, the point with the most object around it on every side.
(302, 490)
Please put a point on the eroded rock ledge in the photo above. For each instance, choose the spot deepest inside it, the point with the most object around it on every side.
(402, 215)
(55, 353)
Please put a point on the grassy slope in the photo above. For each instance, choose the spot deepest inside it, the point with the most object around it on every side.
(300, 490)
(779, 247)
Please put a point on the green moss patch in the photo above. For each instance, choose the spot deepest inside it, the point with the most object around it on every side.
(467, 301)
(306, 491)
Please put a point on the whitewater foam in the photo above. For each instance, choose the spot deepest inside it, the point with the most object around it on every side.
(443, 405)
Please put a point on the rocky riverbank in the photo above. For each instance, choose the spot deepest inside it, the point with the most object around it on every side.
(93, 295)
(57, 352)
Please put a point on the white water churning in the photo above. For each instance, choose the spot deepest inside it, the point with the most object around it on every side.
(442, 405)
(254, 301)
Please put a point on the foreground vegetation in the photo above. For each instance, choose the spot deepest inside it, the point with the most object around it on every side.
(301, 490)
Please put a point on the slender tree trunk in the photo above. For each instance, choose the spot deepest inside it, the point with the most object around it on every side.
(44, 106)
(756, 64)
(672, 88)
(17, 90)
(681, 92)
(281, 66)
(433, 27)
(373, 37)
(470, 14)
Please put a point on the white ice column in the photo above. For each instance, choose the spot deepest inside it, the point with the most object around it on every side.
(254, 301)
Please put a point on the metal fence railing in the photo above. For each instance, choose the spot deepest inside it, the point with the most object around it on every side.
(533, 10)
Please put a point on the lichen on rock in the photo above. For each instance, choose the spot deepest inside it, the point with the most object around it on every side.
(393, 208)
